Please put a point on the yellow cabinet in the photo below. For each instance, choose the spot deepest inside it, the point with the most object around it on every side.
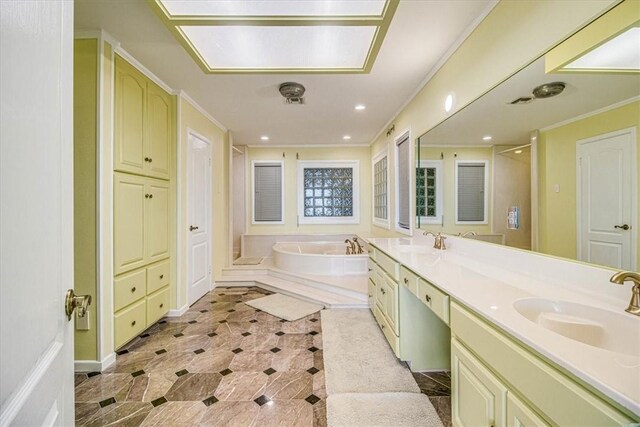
(129, 288)
(433, 298)
(391, 303)
(143, 123)
(479, 399)
(157, 276)
(157, 306)
(520, 415)
(141, 221)
(130, 322)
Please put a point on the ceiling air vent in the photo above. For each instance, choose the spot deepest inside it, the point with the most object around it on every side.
(548, 90)
(293, 92)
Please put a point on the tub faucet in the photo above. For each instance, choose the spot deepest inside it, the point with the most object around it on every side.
(468, 233)
(628, 276)
(351, 248)
(439, 240)
(355, 241)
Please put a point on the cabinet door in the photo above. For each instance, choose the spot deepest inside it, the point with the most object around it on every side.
(129, 222)
(479, 399)
(130, 101)
(157, 220)
(391, 305)
(520, 415)
(158, 132)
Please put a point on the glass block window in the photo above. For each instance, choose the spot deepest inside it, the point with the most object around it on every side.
(380, 201)
(328, 192)
(429, 192)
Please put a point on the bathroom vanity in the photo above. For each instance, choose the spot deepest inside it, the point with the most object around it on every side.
(529, 339)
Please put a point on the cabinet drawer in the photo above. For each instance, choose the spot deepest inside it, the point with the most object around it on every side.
(371, 268)
(391, 337)
(550, 391)
(409, 280)
(157, 305)
(129, 288)
(130, 322)
(157, 277)
(389, 265)
(372, 294)
(435, 299)
(519, 414)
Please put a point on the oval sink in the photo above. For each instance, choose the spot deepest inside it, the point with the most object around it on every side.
(617, 332)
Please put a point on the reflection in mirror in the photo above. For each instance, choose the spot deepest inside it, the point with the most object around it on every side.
(554, 174)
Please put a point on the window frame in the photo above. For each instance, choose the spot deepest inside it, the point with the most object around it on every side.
(412, 186)
(380, 222)
(486, 191)
(253, 191)
(438, 165)
(320, 164)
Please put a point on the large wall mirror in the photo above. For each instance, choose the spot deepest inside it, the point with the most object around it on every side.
(555, 172)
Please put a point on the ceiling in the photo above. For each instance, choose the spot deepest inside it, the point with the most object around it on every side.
(420, 34)
(512, 124)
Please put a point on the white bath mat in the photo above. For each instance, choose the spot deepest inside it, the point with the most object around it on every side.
(285, 307)
(357, 358)
(248, 261)
(381, 410)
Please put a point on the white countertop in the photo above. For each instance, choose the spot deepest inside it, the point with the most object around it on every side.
(490, 278)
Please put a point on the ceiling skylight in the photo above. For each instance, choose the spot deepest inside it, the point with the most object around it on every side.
(620, 53)
(279, 36)
(274, 7)
(229, 47)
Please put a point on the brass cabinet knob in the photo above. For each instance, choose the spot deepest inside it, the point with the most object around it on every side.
(133, 289)
(161, 305)
(146, 196)
(146, 159)
(383, 291)
(427, 297)
(133, 323)
(406, 281)
(162, 276)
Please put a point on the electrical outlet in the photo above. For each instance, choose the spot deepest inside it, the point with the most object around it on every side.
(82, 323)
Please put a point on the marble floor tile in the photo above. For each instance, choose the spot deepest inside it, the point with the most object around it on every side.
(193, 387)
(242, 386)
(176, 414)
(433, 383)
(221, 363)
(443, 408)
(223, 414)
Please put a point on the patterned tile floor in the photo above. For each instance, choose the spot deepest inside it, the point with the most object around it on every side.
(223, 363)
(437, 385)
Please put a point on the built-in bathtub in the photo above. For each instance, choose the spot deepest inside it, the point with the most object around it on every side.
(318, 258)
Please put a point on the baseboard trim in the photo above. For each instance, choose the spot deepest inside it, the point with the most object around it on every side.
(178, 312)
(94, 365)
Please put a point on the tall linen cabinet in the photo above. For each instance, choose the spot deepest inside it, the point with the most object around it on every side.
(143, 201)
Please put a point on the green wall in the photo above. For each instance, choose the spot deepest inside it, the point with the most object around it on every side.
(85, 86)
(557, 165)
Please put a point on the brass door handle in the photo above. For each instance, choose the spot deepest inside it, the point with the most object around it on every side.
(73, 301)
(624, 227)
(191, 228)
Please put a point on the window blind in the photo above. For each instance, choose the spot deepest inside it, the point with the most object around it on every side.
(404, 184)
(471, 192)
(268, 192)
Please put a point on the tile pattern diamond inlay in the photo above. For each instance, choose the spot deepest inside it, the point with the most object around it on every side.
(218, 364)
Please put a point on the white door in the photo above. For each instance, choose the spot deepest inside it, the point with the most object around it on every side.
(199, 218)
(607, 199)
(36, 212)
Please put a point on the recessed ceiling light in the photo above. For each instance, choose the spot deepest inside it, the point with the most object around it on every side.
(360, 107)
(264, 138)
(487, 138)
(346, 137)
(518, 151)
(448, 102)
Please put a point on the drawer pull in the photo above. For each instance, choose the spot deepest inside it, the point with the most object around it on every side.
(162, 276)
(133, 289)
(161, 305)
(133, 323)
(382, 326)
(383, 291)
(148, 196)
(406, 281)
(370, 296)
(369, 269)
(427, 297)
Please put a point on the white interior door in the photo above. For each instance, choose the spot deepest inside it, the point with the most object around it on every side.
(199, 217)
(607, 199)
(36, 219)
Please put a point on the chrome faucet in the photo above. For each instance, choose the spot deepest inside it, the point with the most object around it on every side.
(628, 276)
(439, 240)
(468, 233)
(355, 241)
(351, 248)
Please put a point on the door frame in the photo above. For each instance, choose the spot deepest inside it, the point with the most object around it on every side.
(192, 133)
(634, 190)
